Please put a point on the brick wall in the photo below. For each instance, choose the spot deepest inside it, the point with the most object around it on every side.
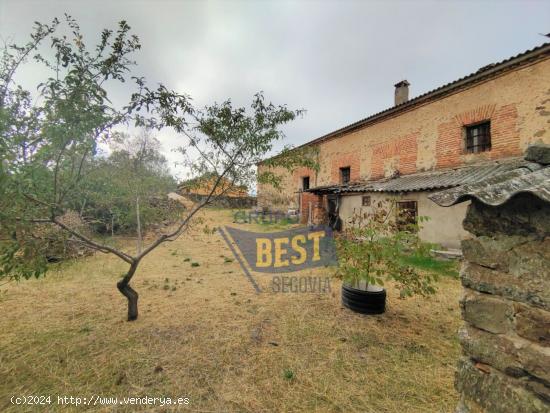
(299, 173)
(344, 160)
(450, 145)
(504, 128)
(317, 205)
(397, 155)
(431, 136)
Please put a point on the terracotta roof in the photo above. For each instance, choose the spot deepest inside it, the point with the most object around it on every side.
(423, 181)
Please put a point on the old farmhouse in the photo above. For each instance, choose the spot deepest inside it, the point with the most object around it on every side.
(473, 128)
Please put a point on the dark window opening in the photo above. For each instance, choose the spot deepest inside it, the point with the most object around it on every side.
(345, 174)
(334, 220)
(305, 183)
(478, 137)
(366, 200)
(407, 213)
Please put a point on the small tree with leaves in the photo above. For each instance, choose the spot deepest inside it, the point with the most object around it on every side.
(122, 194)
(372, 248)
(49, 139)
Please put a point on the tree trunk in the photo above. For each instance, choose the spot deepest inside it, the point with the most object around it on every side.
(138, 227)
(82, 208)
(128, 292)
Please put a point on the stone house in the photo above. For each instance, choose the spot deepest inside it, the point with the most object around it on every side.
(203, 185)
(474, 128)
(506, 277)
(226, 195)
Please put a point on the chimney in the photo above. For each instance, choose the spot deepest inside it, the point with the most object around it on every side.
(401, 92)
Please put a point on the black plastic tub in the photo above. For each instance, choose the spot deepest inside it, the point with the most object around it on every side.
(364, 302)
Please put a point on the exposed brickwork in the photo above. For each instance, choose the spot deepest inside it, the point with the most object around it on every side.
(317, 205)
(397, 155)
(505, 131)
(476, 115)
(351, 160)
(299, 173)
(450, 146)
(431, 136)
(320, 211)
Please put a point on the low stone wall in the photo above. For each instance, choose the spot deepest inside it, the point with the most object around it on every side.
(506, 309)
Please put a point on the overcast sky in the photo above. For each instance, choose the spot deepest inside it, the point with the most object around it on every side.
(338, 60)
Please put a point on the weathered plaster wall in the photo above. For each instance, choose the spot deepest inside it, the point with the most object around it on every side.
(431, 136)
(285, 197)
(506, 309)
(444, 226)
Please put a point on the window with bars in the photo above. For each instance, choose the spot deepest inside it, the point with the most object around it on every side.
(478, 137)
(366, 200)
(305, 183)
(407, 212)
(345, 175)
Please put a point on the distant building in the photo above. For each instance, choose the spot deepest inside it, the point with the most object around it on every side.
(203, 186)
(470, 129)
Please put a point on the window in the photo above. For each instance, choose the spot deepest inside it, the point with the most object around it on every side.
(478, 137)
(305, 183)
(366, 200)
(407, 211)
(345, 174)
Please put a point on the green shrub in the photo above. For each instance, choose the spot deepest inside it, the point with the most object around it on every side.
(372, 247)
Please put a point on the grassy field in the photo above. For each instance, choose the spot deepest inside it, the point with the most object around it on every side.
(204, 333)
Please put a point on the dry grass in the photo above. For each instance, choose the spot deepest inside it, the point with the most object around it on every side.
(204, 333)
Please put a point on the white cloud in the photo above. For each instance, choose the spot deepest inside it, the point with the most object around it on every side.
(339, 60)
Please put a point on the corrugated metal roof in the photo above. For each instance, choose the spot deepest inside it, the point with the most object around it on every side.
(498, 189)
(433, 180)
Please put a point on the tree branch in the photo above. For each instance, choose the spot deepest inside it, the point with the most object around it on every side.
(177, 232)
(104, 248)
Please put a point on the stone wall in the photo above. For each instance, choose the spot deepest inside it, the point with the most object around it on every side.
(506, 308)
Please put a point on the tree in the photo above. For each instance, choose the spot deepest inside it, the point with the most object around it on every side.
(51, 140)
(372, 249)
(127, 181)
(140, 164)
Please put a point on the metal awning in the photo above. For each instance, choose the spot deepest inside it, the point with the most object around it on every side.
(433, 180)
(498, 189)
